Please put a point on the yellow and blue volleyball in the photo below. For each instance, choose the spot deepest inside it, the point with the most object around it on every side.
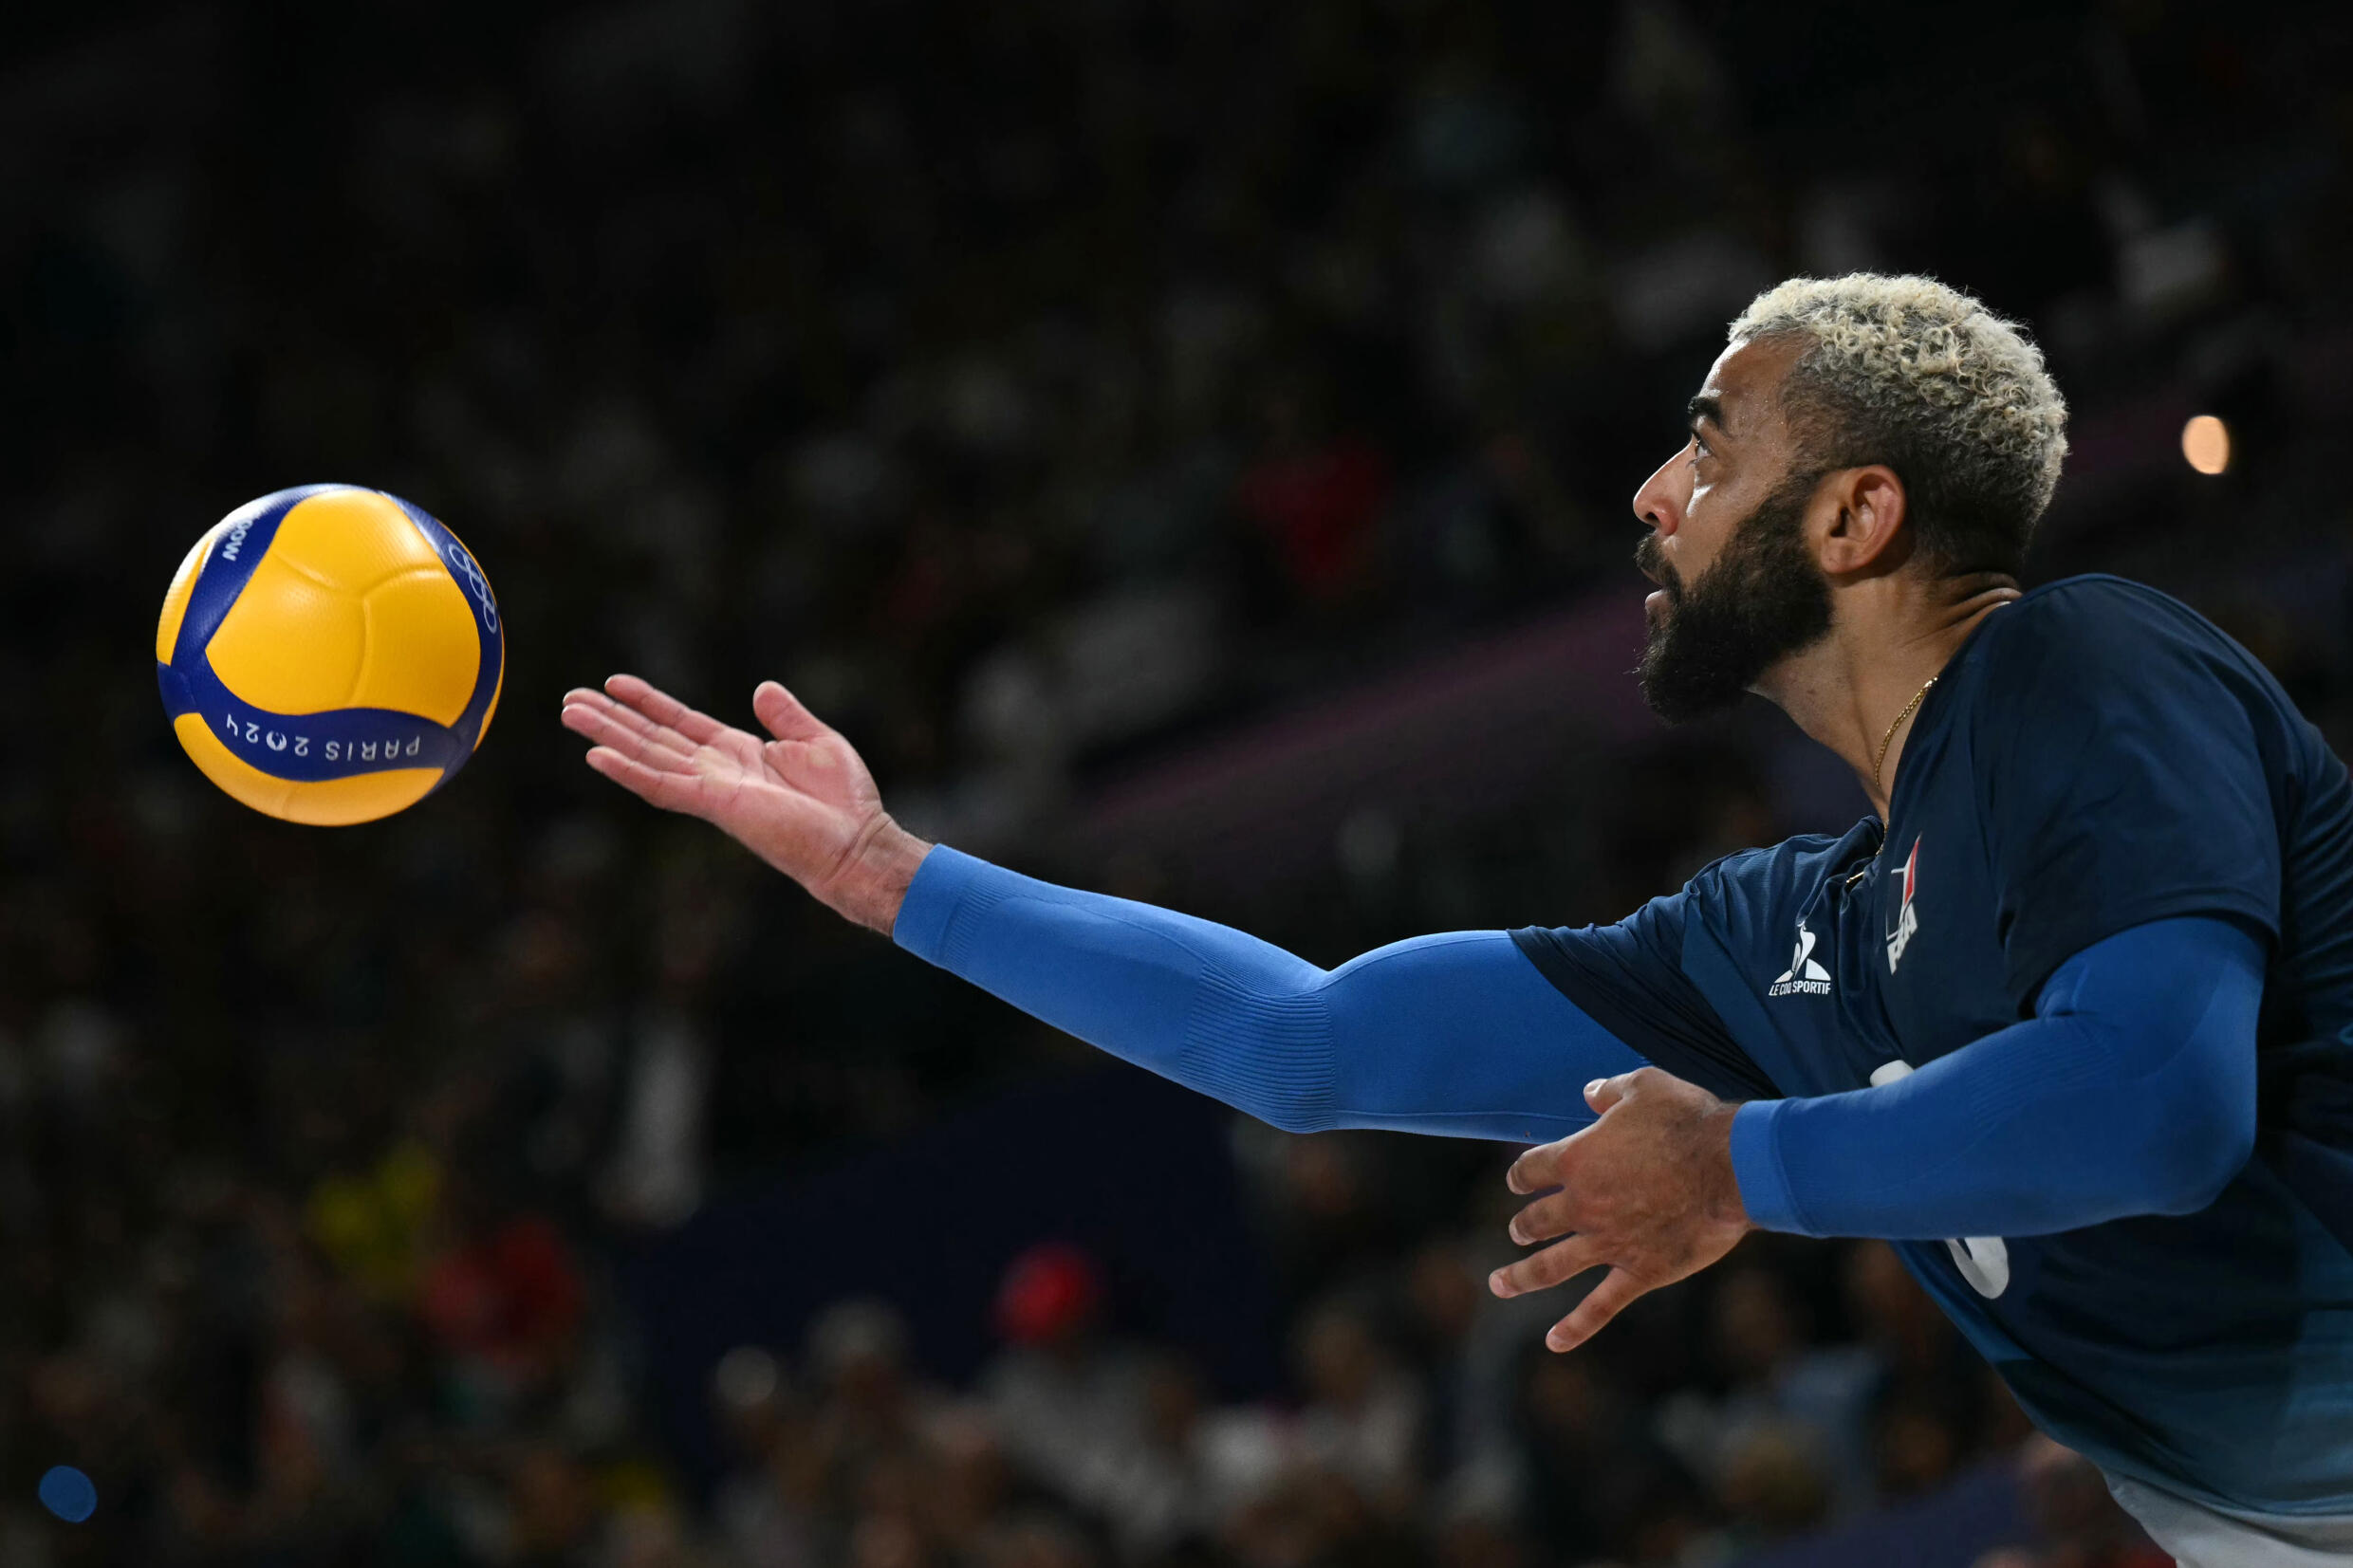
(329, 654)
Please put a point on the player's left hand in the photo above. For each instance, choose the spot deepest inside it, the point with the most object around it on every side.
(1647, 1192)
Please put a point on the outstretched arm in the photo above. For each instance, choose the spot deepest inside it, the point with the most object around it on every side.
(1456, 1034)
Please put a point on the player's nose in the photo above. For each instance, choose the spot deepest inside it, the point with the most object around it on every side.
(1659, 502)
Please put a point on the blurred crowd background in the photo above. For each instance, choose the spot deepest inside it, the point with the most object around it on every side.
(1187, 449)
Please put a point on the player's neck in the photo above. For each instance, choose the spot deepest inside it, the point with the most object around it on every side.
(1888, 638)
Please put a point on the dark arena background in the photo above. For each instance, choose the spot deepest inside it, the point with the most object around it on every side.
(1187, 449)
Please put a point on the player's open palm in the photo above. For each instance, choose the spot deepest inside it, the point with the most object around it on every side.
(801, 800)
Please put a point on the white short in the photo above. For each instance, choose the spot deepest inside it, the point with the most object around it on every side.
(2201, 1536)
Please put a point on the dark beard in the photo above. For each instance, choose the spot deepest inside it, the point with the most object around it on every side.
(1761, 600)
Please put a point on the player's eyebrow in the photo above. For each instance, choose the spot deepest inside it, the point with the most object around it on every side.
(1704, 406)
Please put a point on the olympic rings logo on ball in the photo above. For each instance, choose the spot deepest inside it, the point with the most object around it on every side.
(470, 576)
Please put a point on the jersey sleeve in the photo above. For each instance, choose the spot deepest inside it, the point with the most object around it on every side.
(2122, 781)
(2131, 1091)
(1629, 978)
(1448, 1034)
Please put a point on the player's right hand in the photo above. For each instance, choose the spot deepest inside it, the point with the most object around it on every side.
(803, 800)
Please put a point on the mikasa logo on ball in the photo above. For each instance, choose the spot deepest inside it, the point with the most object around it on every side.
(235, 541)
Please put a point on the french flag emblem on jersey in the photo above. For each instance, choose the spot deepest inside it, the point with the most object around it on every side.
(1903, 921)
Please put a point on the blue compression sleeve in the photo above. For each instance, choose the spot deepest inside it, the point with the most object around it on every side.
(1456, 1034)
(2131, 1091)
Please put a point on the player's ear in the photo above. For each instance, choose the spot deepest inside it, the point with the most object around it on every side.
(1865, 511)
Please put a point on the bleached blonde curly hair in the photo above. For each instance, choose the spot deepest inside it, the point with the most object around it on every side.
(1908, 372)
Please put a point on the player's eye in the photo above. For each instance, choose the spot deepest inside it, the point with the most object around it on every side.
(1699, 448)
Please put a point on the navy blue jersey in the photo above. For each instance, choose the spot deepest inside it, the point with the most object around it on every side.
(2096, 756)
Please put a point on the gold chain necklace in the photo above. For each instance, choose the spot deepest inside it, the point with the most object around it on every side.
(1880, 760)
(1889, 739)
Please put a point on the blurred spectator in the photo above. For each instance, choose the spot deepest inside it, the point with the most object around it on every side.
(1791, 1424)
(1070, 1408)
(1596, 1484)
(504, 1302)
(1362, 1419)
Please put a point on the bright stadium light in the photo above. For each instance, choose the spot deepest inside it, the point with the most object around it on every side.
(2206, 442)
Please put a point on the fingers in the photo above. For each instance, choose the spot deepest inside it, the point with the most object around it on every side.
(607, 723)
(1536, 1168)
(1560, 1261)
(1544, 1219)
(665, 709)
(1603, 1092)
(1540, 1166)
(1616, 1291)
(581, 700)
(670, 791)
(782, 712)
